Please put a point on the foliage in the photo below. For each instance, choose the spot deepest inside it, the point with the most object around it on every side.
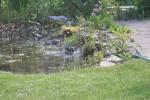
(119, 30)
(101, 16)
(71, 28)
(41, 9)
(125, 56)
(38, 9)
(89, 46)
(99, 56)
(18, 5)
(142, 5)
(96, 22)
(125, 2)
(144, 8)
(72, 40)
(75, 8)
(31, 9)
(118, 45)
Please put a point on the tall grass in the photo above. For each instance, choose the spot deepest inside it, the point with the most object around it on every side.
(28, 9)
(40, 9)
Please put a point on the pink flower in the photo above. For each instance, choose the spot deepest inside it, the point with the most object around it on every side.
(95, 10)
(93, 14)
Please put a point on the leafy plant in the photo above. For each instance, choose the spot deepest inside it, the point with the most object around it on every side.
(18, 5)
(125, 56)
(89, 46)
(96, 22)
(75, 8)
(118, 45)
(72, 40)
(119, 29)
(99, 56)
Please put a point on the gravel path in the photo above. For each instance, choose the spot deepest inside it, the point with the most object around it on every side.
(141, 34)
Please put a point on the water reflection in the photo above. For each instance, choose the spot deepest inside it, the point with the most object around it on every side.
(31, 57)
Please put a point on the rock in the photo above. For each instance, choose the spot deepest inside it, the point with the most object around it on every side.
(77, 54)
(134, 52)
(114, 59)
(55, 42)
(132, 40)
(107, 53)
(58, 18)
(70, 23)
(106, 64)
(69, 50)
(39, 36)
(111, 61)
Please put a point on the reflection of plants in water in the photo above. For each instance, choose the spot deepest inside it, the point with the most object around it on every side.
(31, 59)
(9, 49)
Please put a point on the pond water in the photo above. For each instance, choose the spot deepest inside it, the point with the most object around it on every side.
(29, 56)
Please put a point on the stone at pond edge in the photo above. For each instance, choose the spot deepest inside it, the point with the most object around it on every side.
(106, 64)
(107, 53)
(114, 59)
(58, 18)
(69, 50)
(111, 61)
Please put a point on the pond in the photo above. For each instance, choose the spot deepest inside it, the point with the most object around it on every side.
(30, 56)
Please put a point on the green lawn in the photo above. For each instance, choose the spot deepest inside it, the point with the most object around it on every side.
(130, 81)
